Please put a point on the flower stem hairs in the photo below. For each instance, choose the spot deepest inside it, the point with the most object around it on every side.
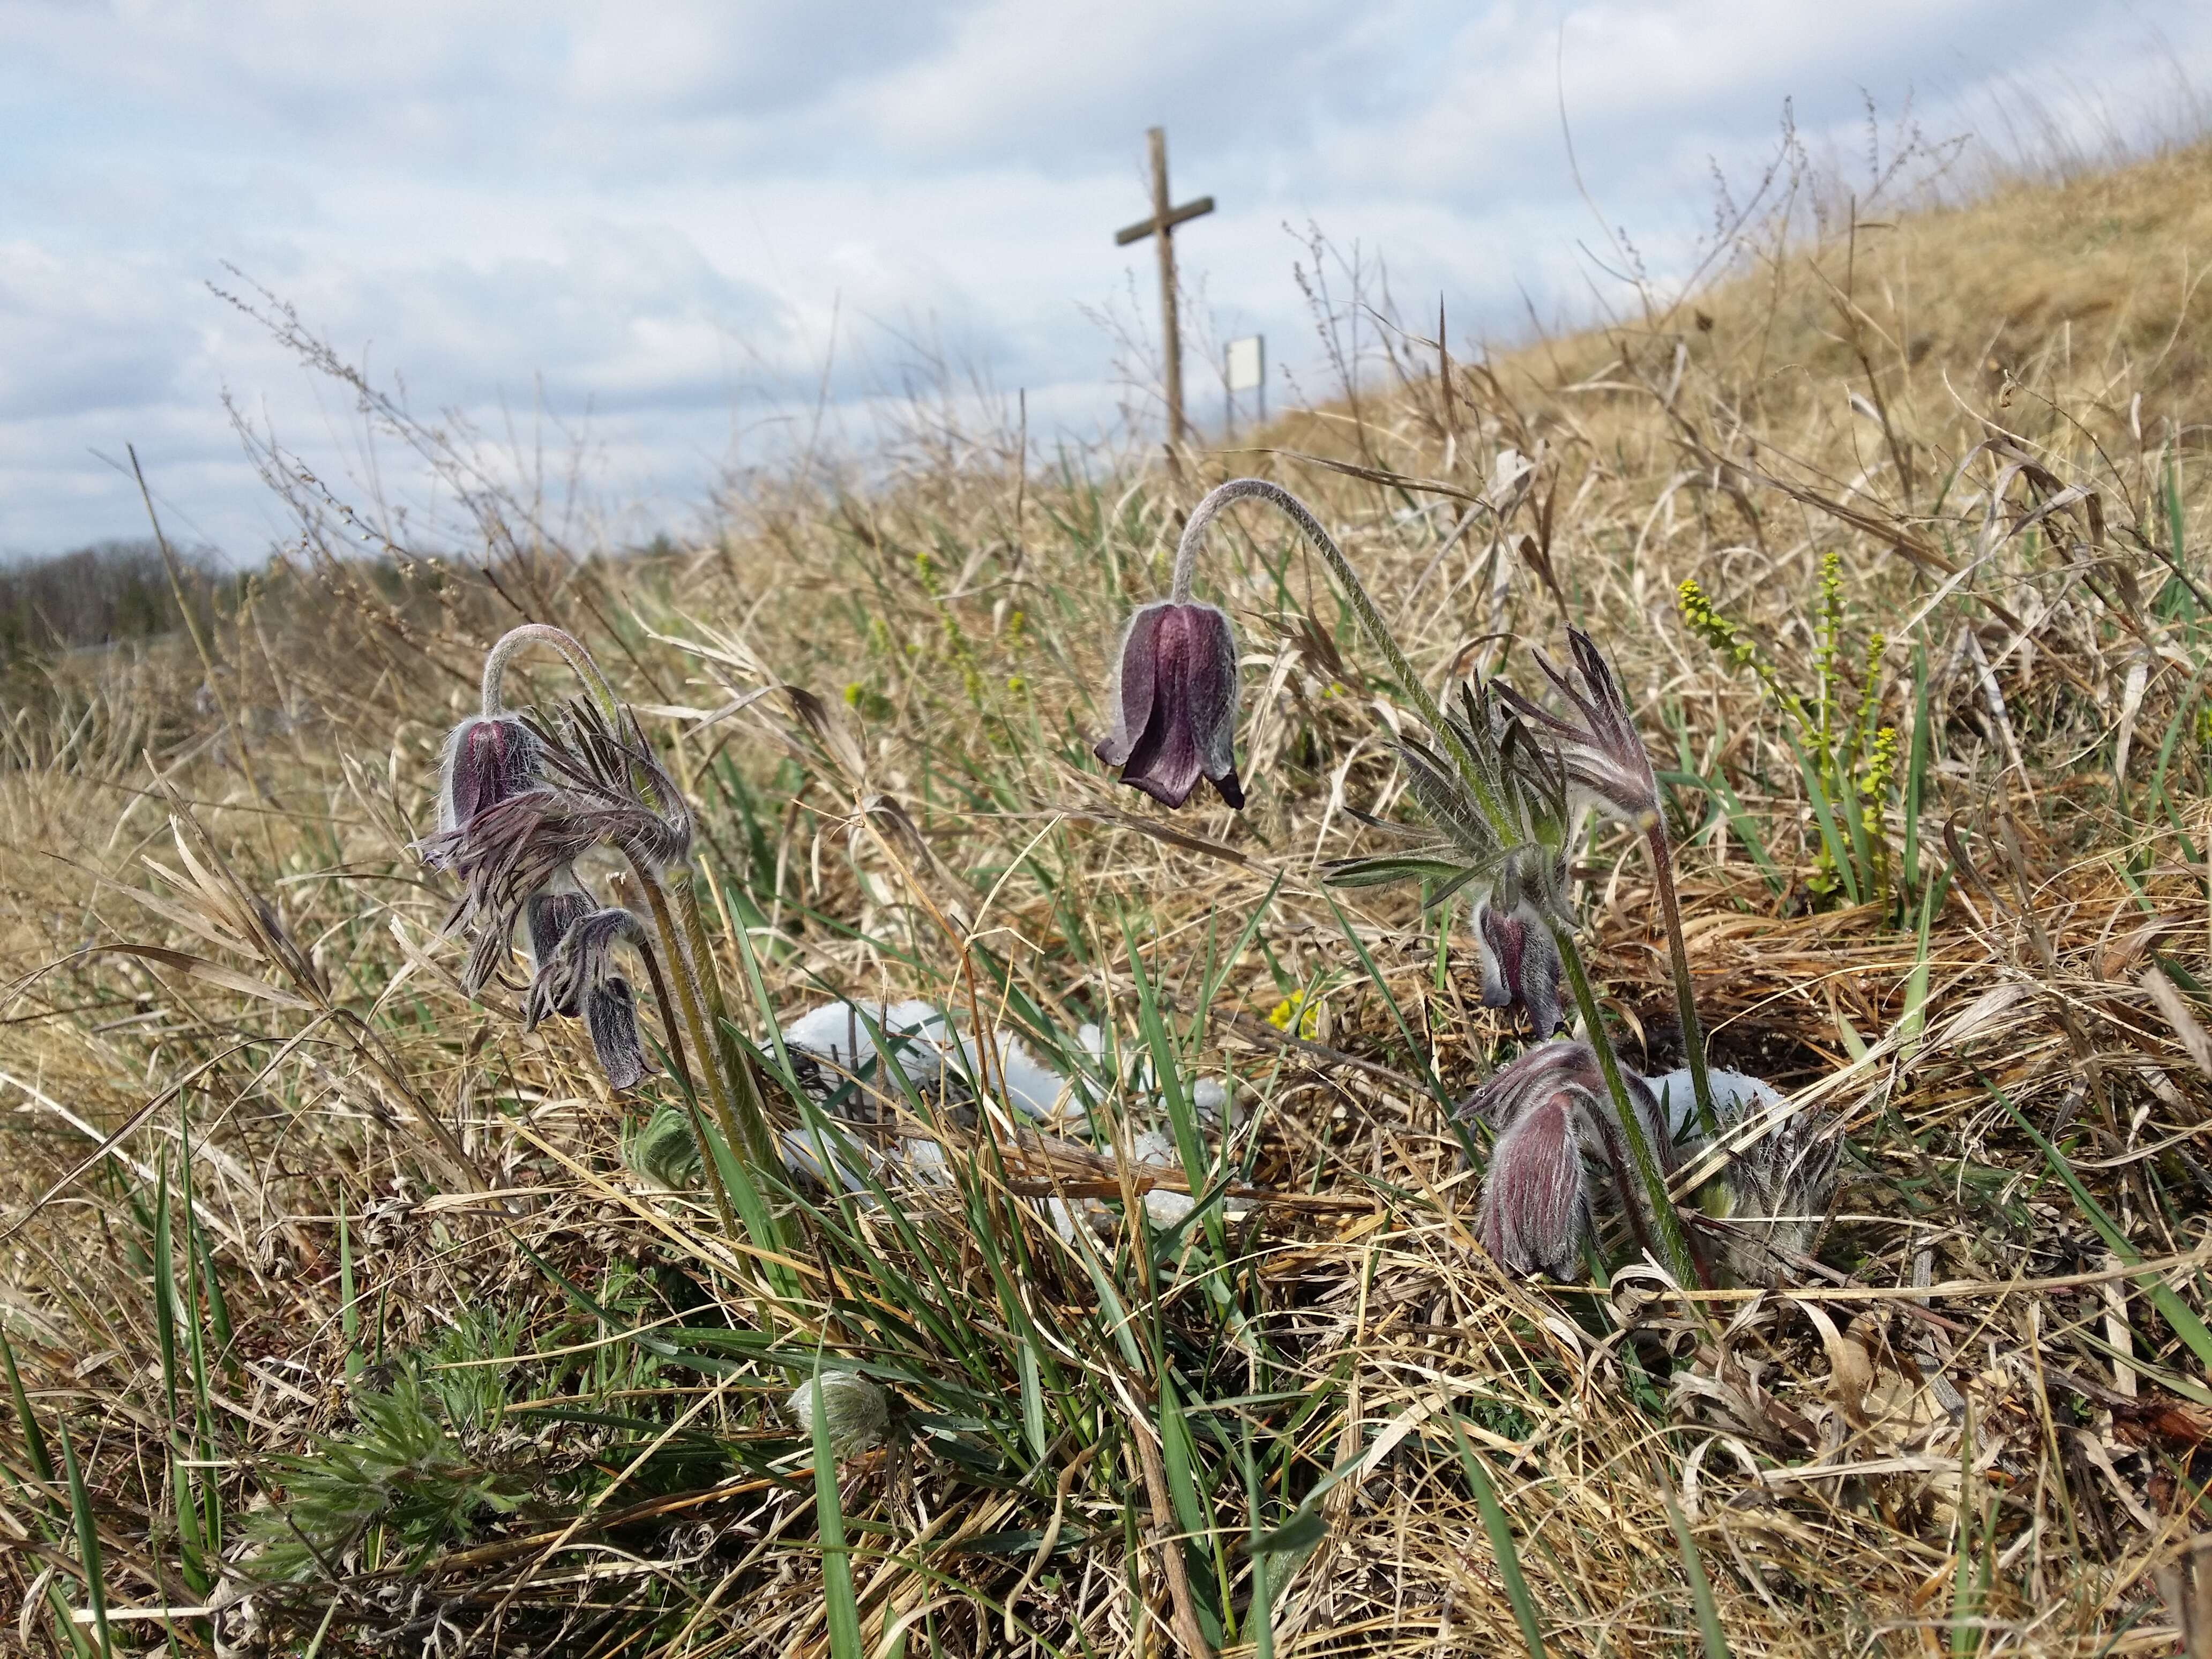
(521, 798)
(1505, 797)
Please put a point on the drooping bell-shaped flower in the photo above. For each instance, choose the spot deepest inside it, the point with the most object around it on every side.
(611, 1017)
(1174, 697)
(1535, 1205)
(1521, 963)
(581, 959)
(1562, 1160)
(548, 914)
(487, 758)
(577, 976)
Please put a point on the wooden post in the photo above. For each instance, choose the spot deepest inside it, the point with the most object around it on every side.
(1171, 334)
(1162, 225)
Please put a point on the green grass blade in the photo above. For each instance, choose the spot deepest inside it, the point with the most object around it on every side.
(34, 1442)
(1838, 848)
(2177, 1314)
(88, 1541)
(1701, 1590)
(839, 1607)
(165, 1293)
(1739, 820)
(1913, 1021)
(1501, 1540)
(1915, 768)
(1033, 1423)
(1259, 1621)
(1415, 1054)
(1963, 1606)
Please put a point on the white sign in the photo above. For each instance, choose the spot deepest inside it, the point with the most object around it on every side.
(1247, 363)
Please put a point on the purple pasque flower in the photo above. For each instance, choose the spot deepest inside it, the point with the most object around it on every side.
(1561, 1157)
(578, 976)
(1607, 768)
(600, 789)
(1521, 963)
(1174, 696)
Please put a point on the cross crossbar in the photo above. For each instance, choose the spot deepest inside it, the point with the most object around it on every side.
(1138, 231)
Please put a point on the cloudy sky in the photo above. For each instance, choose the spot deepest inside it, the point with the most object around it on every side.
(662, 230)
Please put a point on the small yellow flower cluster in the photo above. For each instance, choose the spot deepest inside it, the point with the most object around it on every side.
(1292, 1015)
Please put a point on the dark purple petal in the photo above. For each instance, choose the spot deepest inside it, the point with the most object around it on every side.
(1132, 691)
(610, 1016)
(1176, 688)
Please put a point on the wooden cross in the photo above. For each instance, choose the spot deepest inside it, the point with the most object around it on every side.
(1162, 225)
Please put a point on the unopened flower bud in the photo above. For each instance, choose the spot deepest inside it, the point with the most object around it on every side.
(1536, 1207)
(610, 1016)
(854, 1411)
(1561, 1158)
(549, 914)
(487, 758)
(1521, 963)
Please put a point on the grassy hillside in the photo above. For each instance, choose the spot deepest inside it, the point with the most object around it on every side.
(339, 1298)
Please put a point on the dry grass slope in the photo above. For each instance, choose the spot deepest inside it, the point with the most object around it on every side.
(501, 1387)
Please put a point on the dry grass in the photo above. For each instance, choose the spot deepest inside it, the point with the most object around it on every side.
(1968, 1433)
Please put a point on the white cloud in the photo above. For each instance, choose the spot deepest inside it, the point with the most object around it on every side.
(653, 223)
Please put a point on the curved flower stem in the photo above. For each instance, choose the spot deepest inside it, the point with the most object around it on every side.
(1290, 506)
(1681, 1259)
(571, 649)
(1686, 1003)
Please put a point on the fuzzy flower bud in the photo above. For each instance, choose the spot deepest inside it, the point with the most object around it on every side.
(1561, 1158)
(1174, 704)
(610, 1016)
(577, 976)
(854, 1411)
(549, 915)
(1521, 963)
(487, 759)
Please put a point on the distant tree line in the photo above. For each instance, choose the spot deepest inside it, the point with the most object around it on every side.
(101, 595)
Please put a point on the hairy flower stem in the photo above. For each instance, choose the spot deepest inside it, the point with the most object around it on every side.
(1292, 507)
(742, 1077)
(673, 1021)
(572, 651)
(1675, 1244)
(1686, 1003)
